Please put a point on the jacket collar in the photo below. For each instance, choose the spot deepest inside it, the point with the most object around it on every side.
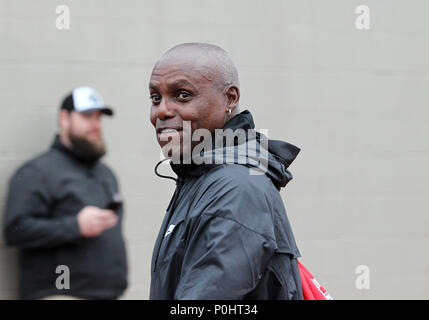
(280, 154)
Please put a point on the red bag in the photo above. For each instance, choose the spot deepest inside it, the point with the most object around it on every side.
(311, 289)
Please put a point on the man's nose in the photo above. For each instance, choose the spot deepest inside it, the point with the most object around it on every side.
(96, 123)
(164, 110)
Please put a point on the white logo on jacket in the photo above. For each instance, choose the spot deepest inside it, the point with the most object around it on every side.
(170, 229)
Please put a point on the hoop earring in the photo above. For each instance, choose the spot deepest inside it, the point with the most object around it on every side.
(227, 116)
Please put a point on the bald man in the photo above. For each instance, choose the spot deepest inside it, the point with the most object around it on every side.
(225, 234)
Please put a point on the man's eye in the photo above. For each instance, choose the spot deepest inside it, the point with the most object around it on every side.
(184, 95)
(156, 98)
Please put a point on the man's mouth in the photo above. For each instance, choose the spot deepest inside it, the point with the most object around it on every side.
(168, 132)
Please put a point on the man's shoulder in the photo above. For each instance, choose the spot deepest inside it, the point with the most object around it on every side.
(40, 163)
(239, 176)
(233, 182)
(232, 193)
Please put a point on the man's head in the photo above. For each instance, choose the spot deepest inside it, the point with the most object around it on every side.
(80, 122)
(195, 82)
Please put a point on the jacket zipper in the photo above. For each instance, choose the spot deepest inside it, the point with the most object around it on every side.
(171, 207)
(179, 184)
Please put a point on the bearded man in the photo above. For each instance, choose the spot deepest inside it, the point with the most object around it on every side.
(64, 211)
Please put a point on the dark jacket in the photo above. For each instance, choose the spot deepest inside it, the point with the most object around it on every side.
(45, 195)
(225, 234)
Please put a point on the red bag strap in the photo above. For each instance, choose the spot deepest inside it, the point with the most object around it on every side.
(311, 289)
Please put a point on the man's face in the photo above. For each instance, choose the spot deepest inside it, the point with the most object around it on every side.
(184, 92)
(84, 131)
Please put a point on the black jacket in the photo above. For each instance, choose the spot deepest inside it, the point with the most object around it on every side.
(225, 234)
(45, 195)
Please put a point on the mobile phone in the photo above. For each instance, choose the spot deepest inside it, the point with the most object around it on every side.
(114, 205)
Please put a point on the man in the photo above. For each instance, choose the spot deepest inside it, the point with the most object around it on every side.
(64, 211)
(225, 234)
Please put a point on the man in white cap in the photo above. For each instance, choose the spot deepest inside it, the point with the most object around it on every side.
(65, 212)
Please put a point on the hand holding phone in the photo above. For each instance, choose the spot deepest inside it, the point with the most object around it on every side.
(115, 204)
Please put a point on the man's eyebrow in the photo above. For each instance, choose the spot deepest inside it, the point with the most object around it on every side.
(181, 83)
(174, 85)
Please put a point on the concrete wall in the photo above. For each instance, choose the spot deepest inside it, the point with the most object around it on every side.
(355, 101)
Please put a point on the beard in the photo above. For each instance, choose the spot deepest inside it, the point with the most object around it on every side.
(90, 150)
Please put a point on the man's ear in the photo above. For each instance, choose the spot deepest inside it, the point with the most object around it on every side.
(232, 94)
(64, 119)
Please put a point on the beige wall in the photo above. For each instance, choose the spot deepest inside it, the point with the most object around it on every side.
(355, 101)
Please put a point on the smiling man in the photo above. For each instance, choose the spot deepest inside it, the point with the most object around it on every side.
(199, 92)
(225, 234)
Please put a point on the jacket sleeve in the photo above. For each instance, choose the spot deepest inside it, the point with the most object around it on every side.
(27, 221)
(226, 254)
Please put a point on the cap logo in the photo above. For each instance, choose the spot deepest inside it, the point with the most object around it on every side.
(86, 98)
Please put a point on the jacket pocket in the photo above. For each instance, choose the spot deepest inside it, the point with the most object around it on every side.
(285, 274)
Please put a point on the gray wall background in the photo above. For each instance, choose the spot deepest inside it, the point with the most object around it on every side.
(355, 101)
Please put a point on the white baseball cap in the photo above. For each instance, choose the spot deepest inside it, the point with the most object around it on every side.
(85, 100)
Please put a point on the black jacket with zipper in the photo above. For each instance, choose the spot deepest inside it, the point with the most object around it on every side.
(45, 195)
(225, 234)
